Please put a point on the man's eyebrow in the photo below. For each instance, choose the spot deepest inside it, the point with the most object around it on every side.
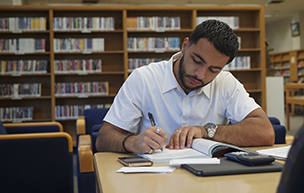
(197, 55)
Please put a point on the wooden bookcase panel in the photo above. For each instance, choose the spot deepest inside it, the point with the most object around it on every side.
(250, 79)
(254, 38)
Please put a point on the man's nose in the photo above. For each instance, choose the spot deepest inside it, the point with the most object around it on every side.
(201, 72)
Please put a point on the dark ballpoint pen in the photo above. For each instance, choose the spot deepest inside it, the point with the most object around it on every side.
(152, 121)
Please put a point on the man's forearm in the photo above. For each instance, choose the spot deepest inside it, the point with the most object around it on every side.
(110, 139)
(252, 131)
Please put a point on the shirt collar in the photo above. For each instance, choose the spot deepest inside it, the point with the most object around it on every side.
(171, 83)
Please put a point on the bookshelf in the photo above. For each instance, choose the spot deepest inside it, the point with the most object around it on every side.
(69, 26)
(289, 64)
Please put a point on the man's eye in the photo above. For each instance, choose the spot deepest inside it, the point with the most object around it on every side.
(214, 70)
(197, 61)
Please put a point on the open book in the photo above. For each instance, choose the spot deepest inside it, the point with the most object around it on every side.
(201, 148)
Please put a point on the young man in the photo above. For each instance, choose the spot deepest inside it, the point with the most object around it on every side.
(189, 96)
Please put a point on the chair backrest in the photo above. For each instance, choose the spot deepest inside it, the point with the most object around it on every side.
(93, 117)
(36, 163)
(33, 127)
(279, 130)
(293, 172)
(2, 129)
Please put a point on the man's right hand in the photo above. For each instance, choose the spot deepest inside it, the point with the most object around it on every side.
(148, 141)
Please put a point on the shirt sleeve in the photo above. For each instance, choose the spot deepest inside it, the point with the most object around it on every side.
(238, 102)
(125, 111)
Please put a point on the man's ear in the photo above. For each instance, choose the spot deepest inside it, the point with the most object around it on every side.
(185, 44)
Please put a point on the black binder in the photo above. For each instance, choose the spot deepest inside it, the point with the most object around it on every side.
(228, 167)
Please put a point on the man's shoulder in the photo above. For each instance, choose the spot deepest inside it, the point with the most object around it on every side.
(225, 76)
(153, 69)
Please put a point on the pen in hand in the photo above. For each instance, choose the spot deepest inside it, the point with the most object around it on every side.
(152, 121)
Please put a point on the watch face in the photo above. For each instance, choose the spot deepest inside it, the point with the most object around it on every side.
(210, 125)
(211, 129)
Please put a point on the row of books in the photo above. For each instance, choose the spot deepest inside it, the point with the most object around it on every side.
(74, 111)
(153, 43)
(84, 24)
(153, 23)
(79, 44)
(19, 24)
(232, 21)
(22, 45)
(81, 89)
(18, 67)
(16, 114)
(239, 63)
(138, 62)
(20, 90)
(78, 66)
(279, 65)
(282, 72)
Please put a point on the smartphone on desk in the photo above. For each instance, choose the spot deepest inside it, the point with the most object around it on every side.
(135, 161)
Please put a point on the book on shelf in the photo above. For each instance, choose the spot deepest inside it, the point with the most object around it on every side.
(153, 43)
(16, 114)
(201, 148)
(22, 45)
(78, 66)
(19, 67)
(239, 63)
(19, 24)
(79, 44)
(156, 23)
(74, 111)
(84, 24)
(138, 62)
(17, 91)
(81, 89)
(232, 21)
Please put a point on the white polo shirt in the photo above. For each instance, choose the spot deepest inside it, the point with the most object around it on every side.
(154, 89)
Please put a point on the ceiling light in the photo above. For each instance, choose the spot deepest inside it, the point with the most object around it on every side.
(274, 2)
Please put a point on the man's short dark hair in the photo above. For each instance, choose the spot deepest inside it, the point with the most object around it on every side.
(219, 34)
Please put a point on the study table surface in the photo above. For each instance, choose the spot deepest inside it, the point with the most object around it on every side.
(180, 180)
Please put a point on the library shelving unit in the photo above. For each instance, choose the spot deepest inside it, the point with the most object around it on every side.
(280, 63)
(67, 42)
(289, 64)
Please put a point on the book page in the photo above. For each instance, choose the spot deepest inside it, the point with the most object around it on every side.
(277, 152)
(161, 157)
(208, 147)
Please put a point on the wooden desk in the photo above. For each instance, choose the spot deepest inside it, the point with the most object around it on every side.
(180, 180)
(293, 100)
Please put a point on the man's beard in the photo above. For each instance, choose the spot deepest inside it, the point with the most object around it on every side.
(182, 75)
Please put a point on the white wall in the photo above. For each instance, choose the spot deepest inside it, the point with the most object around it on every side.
(278, 34)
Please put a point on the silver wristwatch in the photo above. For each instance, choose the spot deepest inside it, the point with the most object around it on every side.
(211, 130)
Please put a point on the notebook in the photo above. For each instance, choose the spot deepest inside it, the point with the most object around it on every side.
(228, 167)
